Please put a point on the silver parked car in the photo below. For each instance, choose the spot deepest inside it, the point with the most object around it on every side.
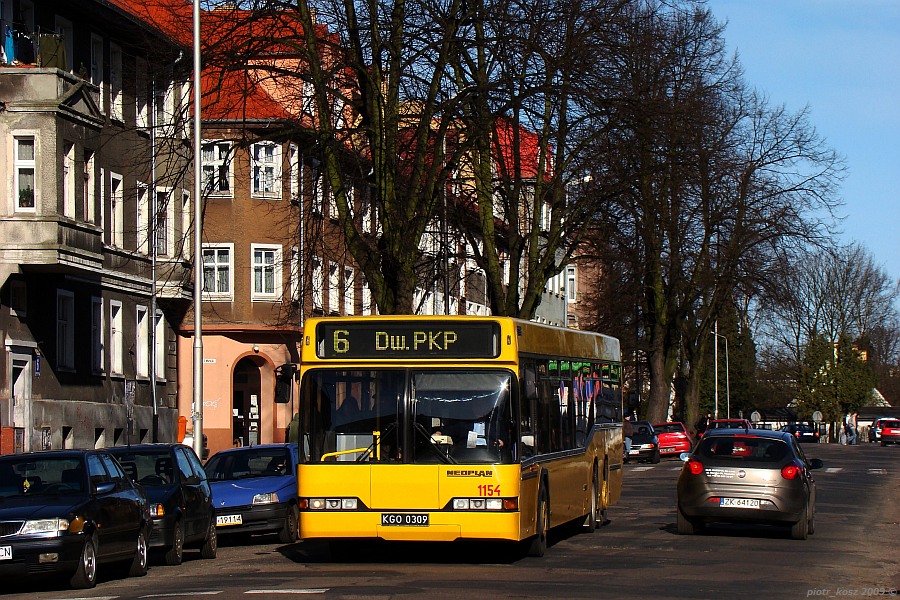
(747, 475)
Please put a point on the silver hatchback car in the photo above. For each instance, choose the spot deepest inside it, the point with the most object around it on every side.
(747, 475)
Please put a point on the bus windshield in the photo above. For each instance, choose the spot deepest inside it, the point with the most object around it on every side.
(407, 416)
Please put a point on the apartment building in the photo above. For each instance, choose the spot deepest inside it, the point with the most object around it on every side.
(94, 210)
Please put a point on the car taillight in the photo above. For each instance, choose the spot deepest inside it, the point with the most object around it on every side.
(797, 434)
(790, 471)
(695, 466)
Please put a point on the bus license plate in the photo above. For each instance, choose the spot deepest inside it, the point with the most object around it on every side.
(5, 552)
(225, 520)
(404, 520)
(739, 502)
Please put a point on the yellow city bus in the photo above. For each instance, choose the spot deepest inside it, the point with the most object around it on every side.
(432, 428)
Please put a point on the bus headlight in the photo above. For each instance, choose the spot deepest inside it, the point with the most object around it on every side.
(498, 504)
(331, 504)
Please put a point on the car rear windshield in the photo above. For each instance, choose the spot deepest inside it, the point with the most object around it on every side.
(147, 467)
(891, 424)
(251, 462)
(744, 448)
(668, 428)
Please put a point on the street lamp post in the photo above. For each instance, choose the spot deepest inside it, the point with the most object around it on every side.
(718, 335)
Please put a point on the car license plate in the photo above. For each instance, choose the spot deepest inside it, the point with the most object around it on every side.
(670, 449)
(404, 520)
(225, 520)
(635, 451)
(739, 502)
(5, 552)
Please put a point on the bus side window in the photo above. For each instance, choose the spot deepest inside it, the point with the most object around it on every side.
(527, 398)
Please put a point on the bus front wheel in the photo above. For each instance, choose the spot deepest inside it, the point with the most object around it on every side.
(542, 525)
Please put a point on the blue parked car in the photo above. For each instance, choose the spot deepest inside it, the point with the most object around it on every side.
(254, 490)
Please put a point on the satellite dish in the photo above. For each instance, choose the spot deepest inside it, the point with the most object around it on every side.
(817, 416)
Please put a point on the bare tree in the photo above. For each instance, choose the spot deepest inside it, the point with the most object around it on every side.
(720, 182)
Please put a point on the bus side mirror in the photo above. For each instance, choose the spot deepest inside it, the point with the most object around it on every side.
(284, 376)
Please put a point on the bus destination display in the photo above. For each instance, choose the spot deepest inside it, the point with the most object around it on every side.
(387, 339)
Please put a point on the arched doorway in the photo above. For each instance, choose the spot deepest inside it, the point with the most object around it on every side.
(246, 402)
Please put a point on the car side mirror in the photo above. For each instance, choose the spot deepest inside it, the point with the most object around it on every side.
(105, 487)
(816, 463)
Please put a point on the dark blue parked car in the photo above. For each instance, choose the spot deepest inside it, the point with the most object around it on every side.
(255, 490)
(179, 494)
(68, 511)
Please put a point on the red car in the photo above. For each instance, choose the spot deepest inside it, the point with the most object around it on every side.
(890, 432)
(673, 438)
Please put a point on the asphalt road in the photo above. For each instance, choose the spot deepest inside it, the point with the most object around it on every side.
(854, 552)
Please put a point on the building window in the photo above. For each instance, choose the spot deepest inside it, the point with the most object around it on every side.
(142, 343)
(217, 271)
(65, 30)
(69, 180)
(571, 283)
(162, 232)
(266, 168)
(160, 350)
(115, 82)
(349, 292)
(294, 166)
(24, 170)
(186, 217)
(333, 289)
(295, 274)
(115, 337)
(266, 272)
(216, 168)
(318, 202)
(117, 208)
(97, 68)
(142, 228)
(97, 330)
(65, 329)
(318, 283)
(88, 193)
(366, 298)
(142, 94)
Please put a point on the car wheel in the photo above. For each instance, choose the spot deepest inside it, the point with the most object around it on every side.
(211, 545)
(85, 576)
(800, 529)
(811, 524)
(538, 544)
(288, 534)
(683, 524)
(590, 520)
(175, 554)
(139, 563)
(655, 459)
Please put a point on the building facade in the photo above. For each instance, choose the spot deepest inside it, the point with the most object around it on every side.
(92, 218)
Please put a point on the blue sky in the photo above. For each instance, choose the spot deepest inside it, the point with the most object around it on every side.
(842, 58)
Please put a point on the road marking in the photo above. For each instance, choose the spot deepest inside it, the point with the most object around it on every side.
(176, 594)
(288, 591)
(877, 472)
(642, 468)
(90, 598)
(834, 469)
